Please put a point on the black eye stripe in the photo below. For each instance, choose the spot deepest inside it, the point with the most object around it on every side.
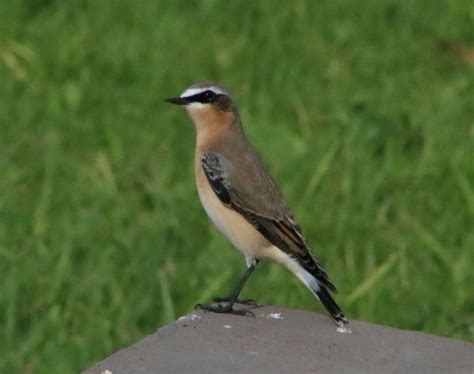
(205, 97)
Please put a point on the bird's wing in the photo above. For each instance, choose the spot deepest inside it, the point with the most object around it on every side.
(260, 203)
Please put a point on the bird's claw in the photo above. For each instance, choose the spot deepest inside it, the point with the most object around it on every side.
(227, 308)
(248, 302)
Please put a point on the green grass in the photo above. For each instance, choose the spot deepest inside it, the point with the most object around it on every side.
(365, 123)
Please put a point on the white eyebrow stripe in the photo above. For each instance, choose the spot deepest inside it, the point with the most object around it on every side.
(195, 91)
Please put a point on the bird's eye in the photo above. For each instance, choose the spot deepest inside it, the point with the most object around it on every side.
(209, 95)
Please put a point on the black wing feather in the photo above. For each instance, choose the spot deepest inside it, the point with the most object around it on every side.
(215, 176)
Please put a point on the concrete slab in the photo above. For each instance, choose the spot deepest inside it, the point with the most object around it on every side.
(281, 340)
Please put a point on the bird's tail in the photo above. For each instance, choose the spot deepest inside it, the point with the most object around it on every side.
(326, 299)
(318, 283)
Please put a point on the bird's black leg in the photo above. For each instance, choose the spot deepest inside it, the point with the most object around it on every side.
(232, 299)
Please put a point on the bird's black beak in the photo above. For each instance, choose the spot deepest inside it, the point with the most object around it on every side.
(178, 100)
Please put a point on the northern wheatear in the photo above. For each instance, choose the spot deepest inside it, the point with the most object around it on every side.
(242, 200)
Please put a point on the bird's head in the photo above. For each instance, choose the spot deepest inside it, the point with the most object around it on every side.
(207, 103)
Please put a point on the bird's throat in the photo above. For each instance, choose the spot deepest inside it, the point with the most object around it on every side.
(211, 124)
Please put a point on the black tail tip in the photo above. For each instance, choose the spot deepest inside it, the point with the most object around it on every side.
(335, 312)
(340, 320)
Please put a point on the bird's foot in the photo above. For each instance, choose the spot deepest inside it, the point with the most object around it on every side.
(224, 308)
(247, 302)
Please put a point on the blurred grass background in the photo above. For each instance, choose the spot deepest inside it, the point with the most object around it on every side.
(365, 122)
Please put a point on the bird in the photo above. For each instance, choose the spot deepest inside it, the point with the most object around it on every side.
(243, 200)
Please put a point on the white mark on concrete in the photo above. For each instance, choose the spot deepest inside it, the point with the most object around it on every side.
(189, 317)
(253, 353)
(227, 326)
(275, 316)
(106, 371)
(344, 330)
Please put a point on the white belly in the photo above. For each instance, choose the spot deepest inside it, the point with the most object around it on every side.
(230, 223)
